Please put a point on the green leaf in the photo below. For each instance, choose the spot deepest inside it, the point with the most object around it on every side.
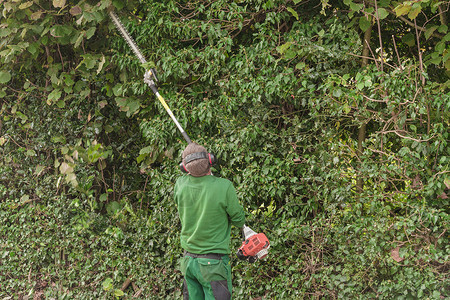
(90, 32)
(5, 76)
(112, 208)
(364, 24)
(436, 60)
(293, 12)
(447, 64)
(72, 179)
(61, 104)
(337, 93)
(24, 198)
(65, 168)
(414, 12)
(300, 66)
(440, 47)
(447, 182)
(384, 3)
(79, 40)
(122, 103)
(36, 15)
(146, 150)
(290, 54)
(281, 49)
(430, 31)
(409, 39)
(25, 5)
(360, 85)
(54, 96)
(443, 28)
(118, 293)
(61, 31)
(402, 9)
(382, 13)
(108, 128)
(133, 105)
(33, 48)
(103, 197)
(89, 62)
(118, 90)
(141, 157)
(119, 4)
(346, 108)
(356, 6)
(107, 284)
(100, 64)
(30, 152)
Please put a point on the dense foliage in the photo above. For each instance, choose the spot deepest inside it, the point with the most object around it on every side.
(330, 117)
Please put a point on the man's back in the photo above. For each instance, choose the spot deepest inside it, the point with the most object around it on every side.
(207, 207)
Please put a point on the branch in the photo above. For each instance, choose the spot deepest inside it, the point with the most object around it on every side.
(374, 59)
(374, 100)
(377, 17)
(414, 25)
(406, 137)
(419, 52)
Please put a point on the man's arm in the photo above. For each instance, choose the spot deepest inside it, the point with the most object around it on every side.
(234, 209)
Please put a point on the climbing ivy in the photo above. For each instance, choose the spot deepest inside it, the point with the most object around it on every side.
(278, 91)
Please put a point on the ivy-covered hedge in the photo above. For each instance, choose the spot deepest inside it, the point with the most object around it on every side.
(338, 146)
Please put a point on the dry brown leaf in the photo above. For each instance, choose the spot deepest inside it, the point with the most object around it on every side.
(396, 255)
(75, 10)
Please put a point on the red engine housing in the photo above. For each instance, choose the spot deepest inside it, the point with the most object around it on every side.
(254, 244)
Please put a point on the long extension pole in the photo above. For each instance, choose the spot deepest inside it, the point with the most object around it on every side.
(150, 75)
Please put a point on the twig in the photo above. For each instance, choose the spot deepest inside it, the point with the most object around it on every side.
(61, 57)
(439, 173)
(414, 25)
(103, 179)
(143, 191)
(442, 15)
(443, 232)
(138, 291)
(398, 56)
(135, 287)
(374, 58)
(406, 137)
(16, 142)
(419, 52)
(374, 100)
(126, 284)
(379, 34)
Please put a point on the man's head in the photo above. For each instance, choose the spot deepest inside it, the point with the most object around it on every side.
(198, 167)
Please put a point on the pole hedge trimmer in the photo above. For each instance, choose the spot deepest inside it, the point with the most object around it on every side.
(150, 75)
(255, 245)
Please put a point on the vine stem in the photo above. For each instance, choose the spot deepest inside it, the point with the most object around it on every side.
(379, 34)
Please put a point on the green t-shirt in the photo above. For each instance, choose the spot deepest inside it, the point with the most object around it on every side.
(207, 206)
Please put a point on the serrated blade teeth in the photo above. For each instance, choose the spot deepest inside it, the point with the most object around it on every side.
(127, 37)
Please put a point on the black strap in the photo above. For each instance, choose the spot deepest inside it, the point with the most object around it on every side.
(195, 156)
(208, 255)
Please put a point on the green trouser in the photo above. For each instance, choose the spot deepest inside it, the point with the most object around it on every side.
(206, 278)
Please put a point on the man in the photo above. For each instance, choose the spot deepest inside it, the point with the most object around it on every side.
(207, 207)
